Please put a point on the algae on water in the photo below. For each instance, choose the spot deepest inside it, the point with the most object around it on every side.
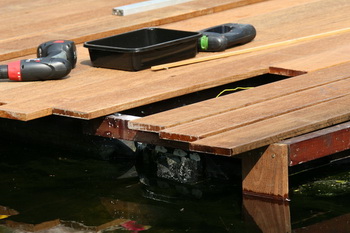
(330, 186)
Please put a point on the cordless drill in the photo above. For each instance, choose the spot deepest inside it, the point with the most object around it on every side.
(55, 60)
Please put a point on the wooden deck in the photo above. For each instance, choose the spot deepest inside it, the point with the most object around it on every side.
(313, 98)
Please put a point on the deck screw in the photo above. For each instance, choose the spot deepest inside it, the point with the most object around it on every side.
(273, 156)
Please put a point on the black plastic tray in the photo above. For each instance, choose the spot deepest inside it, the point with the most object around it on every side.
(143, 48)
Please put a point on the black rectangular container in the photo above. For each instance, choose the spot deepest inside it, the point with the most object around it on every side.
(143, 48)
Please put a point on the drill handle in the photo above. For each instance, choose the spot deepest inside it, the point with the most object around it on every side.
(64, 49)
(38, 69)
(219, 38)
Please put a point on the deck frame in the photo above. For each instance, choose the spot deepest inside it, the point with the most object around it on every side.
(264, 170)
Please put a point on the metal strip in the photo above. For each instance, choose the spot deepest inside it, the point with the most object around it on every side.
(145, 6)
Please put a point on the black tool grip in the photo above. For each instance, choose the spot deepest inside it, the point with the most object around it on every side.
(219, 38)
(3, 72)
(44, 69)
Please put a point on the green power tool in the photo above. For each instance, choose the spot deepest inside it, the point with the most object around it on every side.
(221, 37)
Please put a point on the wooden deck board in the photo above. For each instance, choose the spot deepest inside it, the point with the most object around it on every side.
(42, 21)
(90, 95)
(255, 117)
(217, 124)
(263, 93)
(228, 125)
(314, 61)
(275, 129)
(90, 92)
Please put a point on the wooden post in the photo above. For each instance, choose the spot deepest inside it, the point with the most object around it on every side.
(266, 174)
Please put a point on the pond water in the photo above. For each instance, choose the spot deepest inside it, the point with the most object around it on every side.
(44, 189)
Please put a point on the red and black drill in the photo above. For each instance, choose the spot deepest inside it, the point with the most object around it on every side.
(55, 60)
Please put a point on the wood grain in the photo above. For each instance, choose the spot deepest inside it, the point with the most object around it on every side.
(42, 21)
(266, 173)
(276, 129)
(313, 61)
(248, 50)
(318, 144)
(219, 123)
(91, 92)
(233, 101)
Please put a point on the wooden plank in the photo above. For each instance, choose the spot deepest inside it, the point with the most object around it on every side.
(265, 174)
(85, 25)
(243, 116)
(115, 126)
(111, 91)
(15, 91)
(318, 144)
(165, 85)
(196, 23)
(92, 92)
(276, 129)
(313, 62)
(244, 98)
(248, 50)
(162, 86)
(34, 19)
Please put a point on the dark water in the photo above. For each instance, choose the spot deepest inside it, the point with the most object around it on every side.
(45, 189)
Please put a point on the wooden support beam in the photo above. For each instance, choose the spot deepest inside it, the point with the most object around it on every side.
(265, 174)
(115, 126)
(318, 144)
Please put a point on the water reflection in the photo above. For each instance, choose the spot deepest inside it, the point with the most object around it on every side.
(268, 216)
(46, 190)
